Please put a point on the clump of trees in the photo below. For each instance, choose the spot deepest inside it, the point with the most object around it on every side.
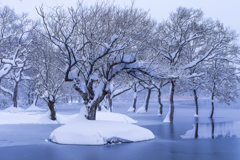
(104, 50)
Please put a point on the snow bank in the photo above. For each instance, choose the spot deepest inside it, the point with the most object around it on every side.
(195, 115)
(141, 109)
(103, 116)
(18, 118)
(99, 133)
(131, 109)
(167, 118)
(14, 109)
(103, 109)
(34, 108)
(45, 119)
(109, 116)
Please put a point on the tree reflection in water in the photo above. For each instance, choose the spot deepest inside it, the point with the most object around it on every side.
(213, 130)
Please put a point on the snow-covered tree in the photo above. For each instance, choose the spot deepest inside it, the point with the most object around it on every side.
(48, 80)
(14, 49)
(184, 27)
(96, 43)
(222, 81)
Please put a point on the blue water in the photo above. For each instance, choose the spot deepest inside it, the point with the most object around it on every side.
(28, 141)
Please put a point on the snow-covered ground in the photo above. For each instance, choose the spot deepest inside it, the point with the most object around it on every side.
(36, 115)
(108, 127)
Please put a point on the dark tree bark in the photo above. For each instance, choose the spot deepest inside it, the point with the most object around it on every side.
(171, 101)
(212, 129)
(135, 103)
(93, 108)
(15, 94)
(52, 109)
(135, 98)
(196, 100)
(35, 101)
(160, 102)
(196, 131)
(147, 99)
(211, 116)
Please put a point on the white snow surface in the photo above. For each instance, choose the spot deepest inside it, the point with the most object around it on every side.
(131, 109)
(45, 119)
(34, 108)
(141, 109)
(195, 115)
(103, 109)
(167, 118)
(20, 116)
(109, 116)
(99, 133)
(102, 116)
(13, 109)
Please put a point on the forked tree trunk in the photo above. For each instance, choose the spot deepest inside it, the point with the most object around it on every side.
(93, 108)
(160, 102)
(171, 101)
(196, 100)
(15, 93)
(91, 103)
(147, 99)
(52, 110)
(211, 116)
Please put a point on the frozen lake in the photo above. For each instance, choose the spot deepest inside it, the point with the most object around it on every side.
(216, 139)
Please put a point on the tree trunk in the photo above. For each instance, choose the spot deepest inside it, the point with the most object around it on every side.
(211, 116)
(94, 105)
(52, 110)
(15, 93)
(196, 100)
(110, 102)
(135, 98)
(147, 99)
(35, 101)
(196, 131)
(212, 129)
(160, 102)
(135, 103)
(171, 101)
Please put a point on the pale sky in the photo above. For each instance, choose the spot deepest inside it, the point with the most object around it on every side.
(227, 11)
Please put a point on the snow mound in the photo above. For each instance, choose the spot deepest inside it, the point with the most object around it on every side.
(14, 109)
(141, 109)
(99, 133)
(103, 109)
(109, 116)
(102, 116)
(195, 115)
(167, 118)
(131, 109)
(34, 108)
(47, 120)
